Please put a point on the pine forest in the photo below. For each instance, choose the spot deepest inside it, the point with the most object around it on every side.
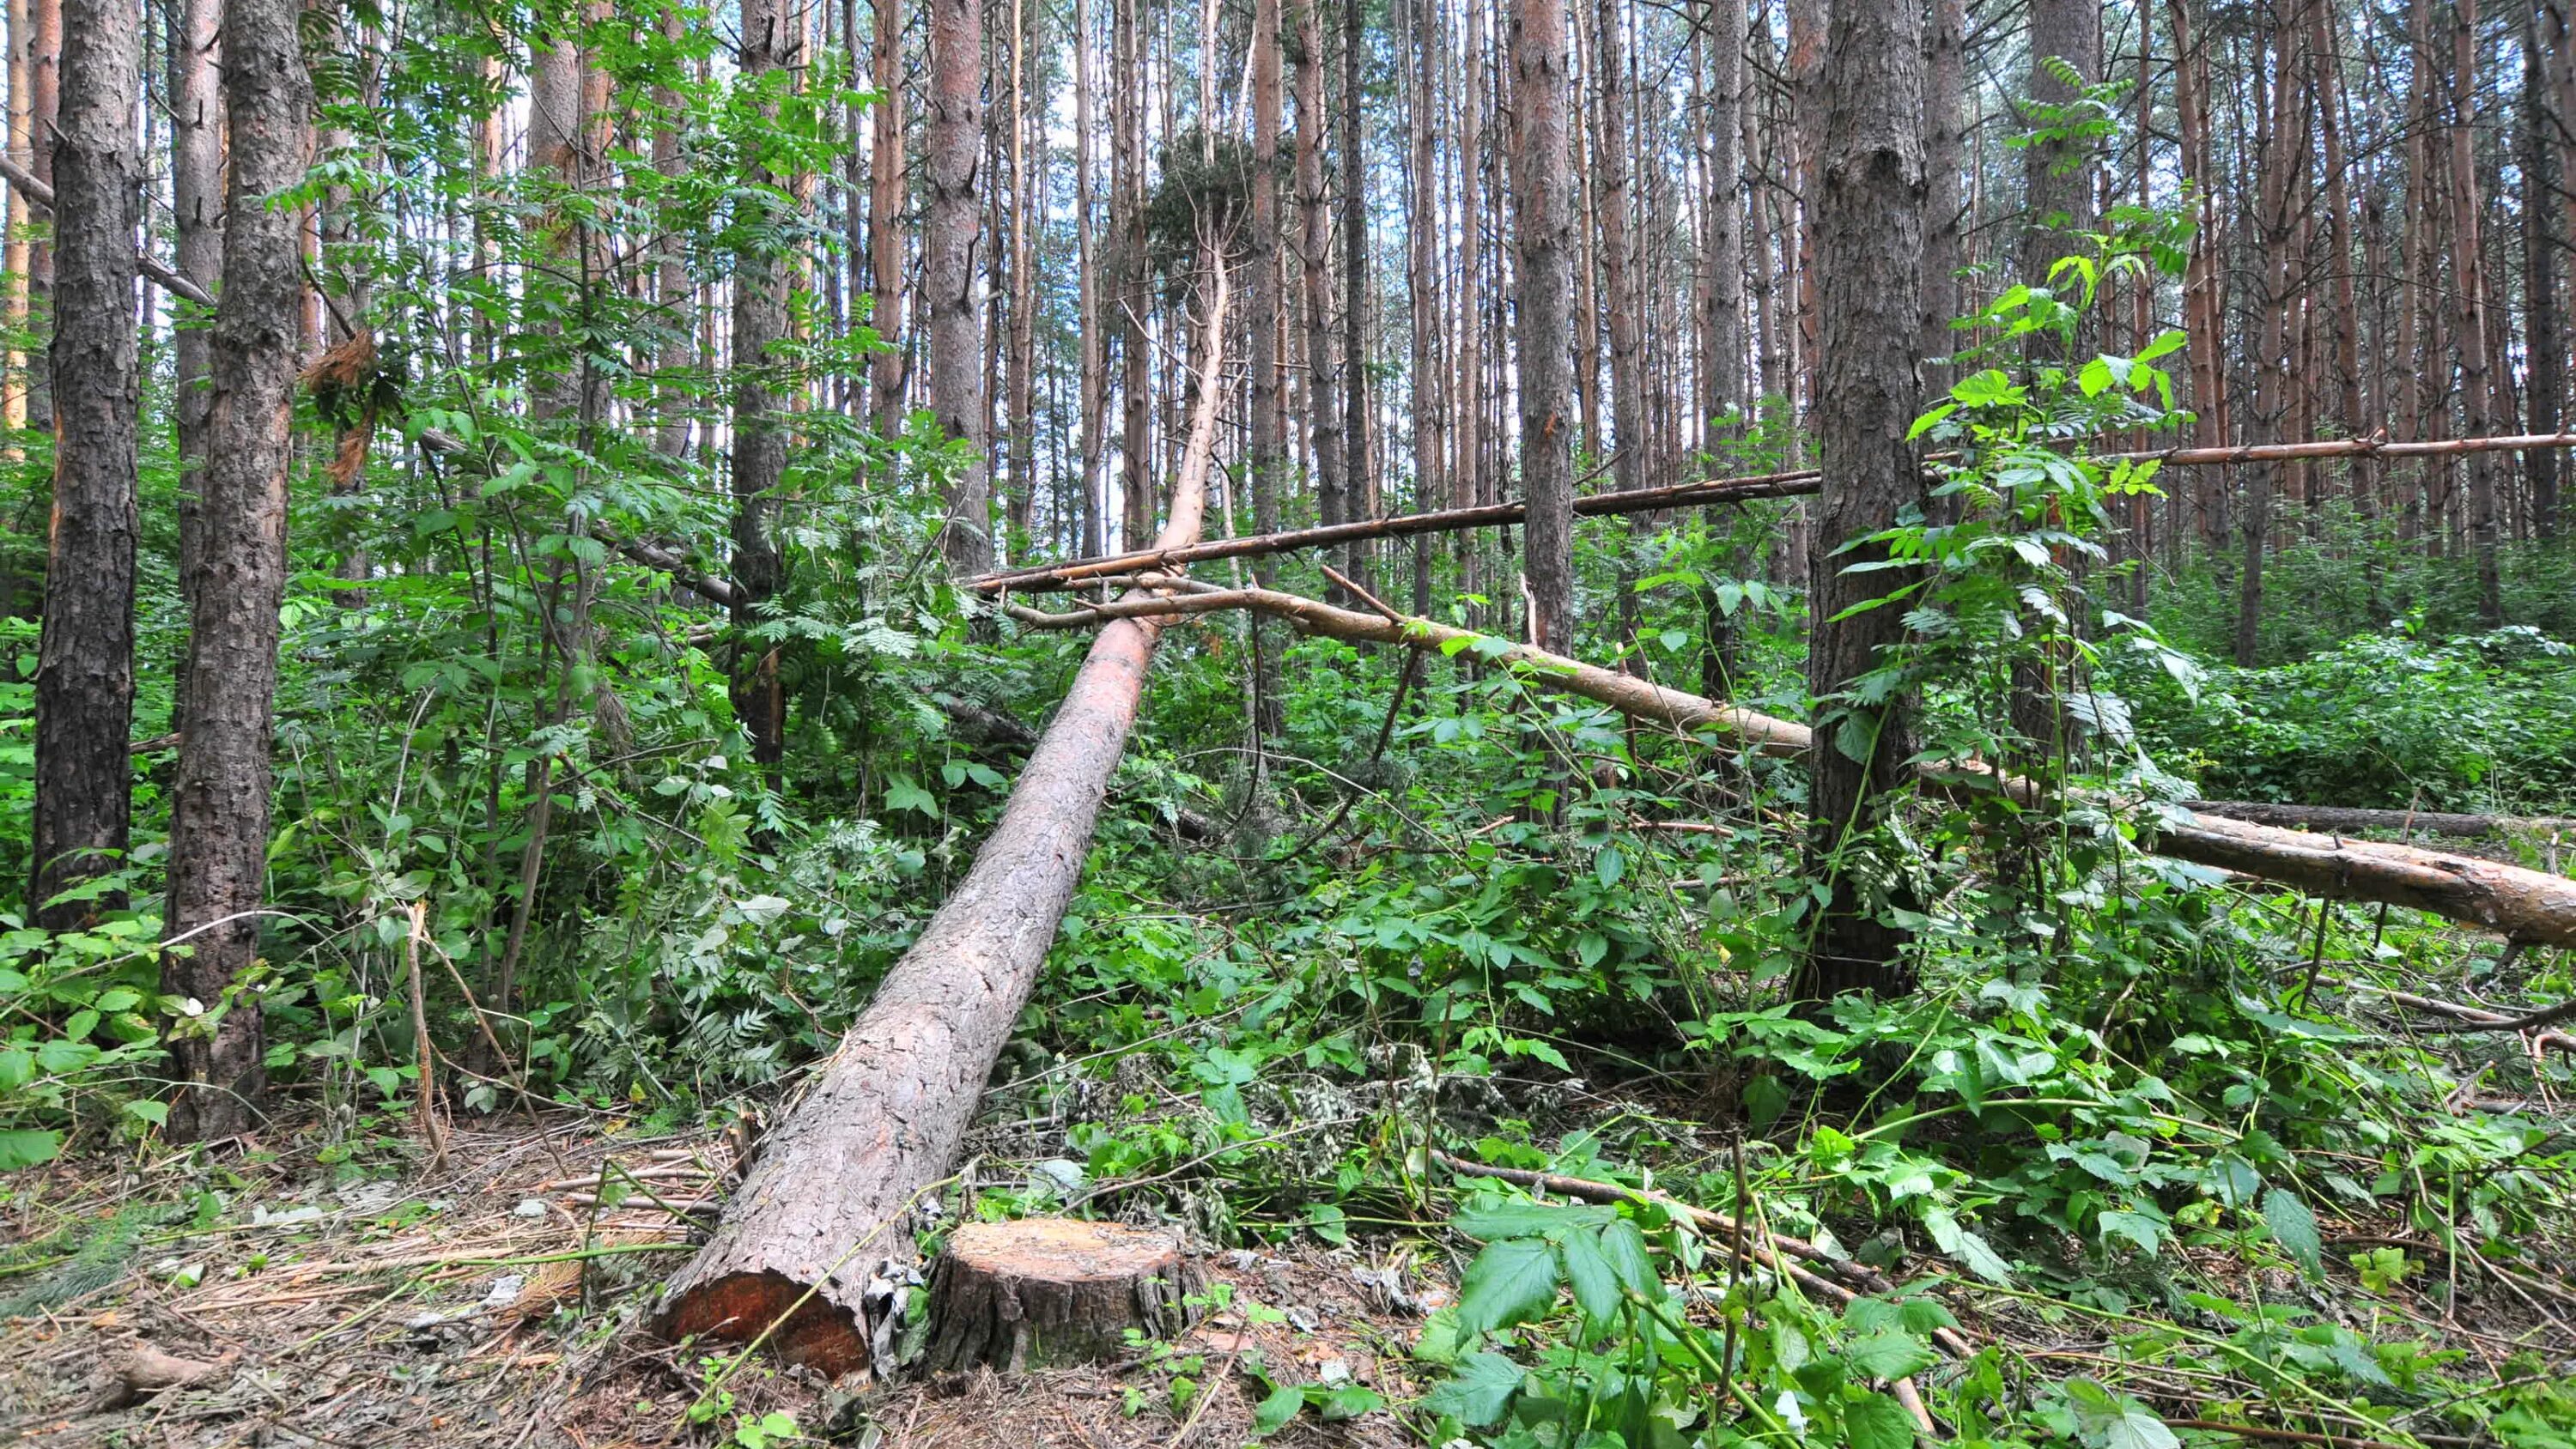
(1173, 724)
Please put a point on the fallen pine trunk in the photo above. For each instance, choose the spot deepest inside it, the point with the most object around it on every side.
(2518, 904)
(2349, 818)
(812, 1250)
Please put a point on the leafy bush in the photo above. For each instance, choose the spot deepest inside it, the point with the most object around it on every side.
(2389, 720)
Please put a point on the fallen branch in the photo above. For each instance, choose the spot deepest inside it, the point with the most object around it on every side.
(2521, 905)
(2344, 818)
(1045, 578)
(813, 1251)
(163, 277)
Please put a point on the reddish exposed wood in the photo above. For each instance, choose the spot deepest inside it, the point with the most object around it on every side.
(802, 1255)
(1044, 1292)
(2521, 905)
(1793, 483)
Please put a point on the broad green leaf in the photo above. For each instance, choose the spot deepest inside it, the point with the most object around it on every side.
(28, 1147)
(1623, 1243)
(1348, 1402)
(1875, 1421)
(2295, 1227)
(1888, 1355)
(1490, 1217)
(1595, 1282)
(1510, 1282)
(1280, 1407)
(2108, 1421)
(903, 794)
(1478, 1392)
(2138, 1228)
(156, 1113)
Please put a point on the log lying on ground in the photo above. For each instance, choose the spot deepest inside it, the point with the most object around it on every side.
(2344, 818)
(1045, 578)
(813, 1249)
(1046, 1292)
(2518, 904)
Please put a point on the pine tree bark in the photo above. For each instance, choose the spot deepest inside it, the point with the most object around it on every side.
(1869, 255)
(1945, 217)
(44, 106)
(1621, 268)
(1544, 228)
(196, 196)
(671, 285)
(885, 218)
(220, 813)
(2058, 175)
(1359, 479)
(1093, 344)
(1315, 253)
(13, 260)
(2281, 149)
(1267, 458)
(85, 660)
(1722, 263)
(769, 42)
(1135, 389)
(1431, 406)
(2478, 385)
(951, 229)
(2545, 339)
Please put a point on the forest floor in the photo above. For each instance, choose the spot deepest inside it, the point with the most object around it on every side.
(313, 1296)
(327, 1284)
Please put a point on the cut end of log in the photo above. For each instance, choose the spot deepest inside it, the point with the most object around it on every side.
(739, 1307)
(1043, 1292)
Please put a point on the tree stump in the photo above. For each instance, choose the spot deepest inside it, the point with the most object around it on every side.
(1043, 1292)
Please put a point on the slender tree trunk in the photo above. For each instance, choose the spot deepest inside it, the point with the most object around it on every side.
(1315, 253)
(1127, 207)
(1808, 22)
(2412, 363)
(1621, 267)
(85, 661)
(1945, 219)
(949, 234)
(1723, 265)
(196, 190)
(1431, 419)
(1268, 458)
(1092, 343)
(1359, 491)
(1544, 229)
(2350, 416)
(219, 815)
(2058, 176)
(671, 285)
(769, 43)
(1869, 254)
(44, 105)
(885, 217)
(2469, 323)
(1474, 481)
(13, 395)
(2282, 148)
(2545, 341)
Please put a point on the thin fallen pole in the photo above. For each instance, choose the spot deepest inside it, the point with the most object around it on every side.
(1044, 578)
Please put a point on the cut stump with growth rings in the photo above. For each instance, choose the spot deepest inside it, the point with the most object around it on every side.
(1044, 1292)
